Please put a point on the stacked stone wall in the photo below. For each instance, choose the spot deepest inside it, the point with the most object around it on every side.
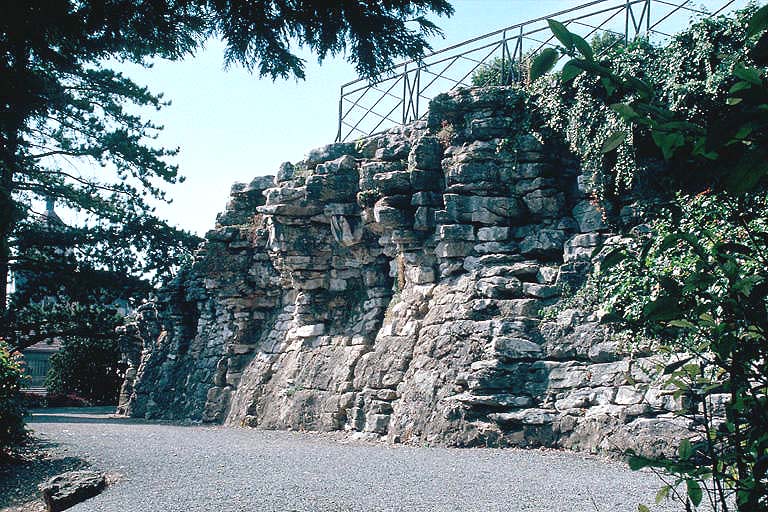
(395, 287)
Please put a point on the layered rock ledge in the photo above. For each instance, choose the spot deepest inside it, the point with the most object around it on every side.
(396, 286)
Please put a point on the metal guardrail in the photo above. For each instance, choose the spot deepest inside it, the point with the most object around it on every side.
(403, 94)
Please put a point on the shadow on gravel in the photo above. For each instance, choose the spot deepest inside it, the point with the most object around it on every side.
(56, 418)
(93, 415)
(31, 465)
(77, 415)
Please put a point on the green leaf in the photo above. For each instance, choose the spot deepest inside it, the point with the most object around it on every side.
(751, 75)
(758, 22)
(561, 33)
(694, 491)
(747, 172)
(739, 86)
(635, 462)
(642, 88)
(659, 113)
(668, 142)
(682, 324)
(625, 111)
(643, 508)
(608, 85)
(569, 72)
(662, 309)
(733, 101)
(583, 46)
(681, 126)
(662, 494)
(611, 259)
(759, 52)
(595, 68)
(544, 62)
(672, 239)
(685, 450)
(613, 142)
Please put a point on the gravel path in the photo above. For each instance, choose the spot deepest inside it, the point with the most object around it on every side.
(173, 468)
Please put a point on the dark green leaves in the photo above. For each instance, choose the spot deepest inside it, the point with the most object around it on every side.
(626, 111)
(613, 258)
(668, 141)
(637, 462)
(661, 309)
(685, 450)
(583, 46)
(758, 22)
(570, 71)
(747, 172)
(748, 74)
(562, 34)
(694, 491)
(639, 86)
(544, 62)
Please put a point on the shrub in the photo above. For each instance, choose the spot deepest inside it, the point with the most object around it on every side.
(497, 72)
(11, 409)
(87, 368)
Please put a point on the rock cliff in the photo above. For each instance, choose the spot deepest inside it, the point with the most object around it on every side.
(409, 286)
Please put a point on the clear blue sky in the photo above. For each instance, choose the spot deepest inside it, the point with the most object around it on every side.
(232, 126)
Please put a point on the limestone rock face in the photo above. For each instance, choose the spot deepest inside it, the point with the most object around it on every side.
(395, 287)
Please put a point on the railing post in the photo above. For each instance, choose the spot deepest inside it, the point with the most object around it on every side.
(341, 102)
(648, 19)
(519, 57)
(503, 58)
(418, 89)
(626, 22)
(405, 92)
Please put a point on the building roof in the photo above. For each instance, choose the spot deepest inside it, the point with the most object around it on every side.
(44, 346)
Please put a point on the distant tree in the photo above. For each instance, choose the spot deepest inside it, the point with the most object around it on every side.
(69, 129)
(498, 72)
(87, 368)
(606, 41)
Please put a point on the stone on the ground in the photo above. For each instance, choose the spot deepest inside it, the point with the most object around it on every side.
(68, 489)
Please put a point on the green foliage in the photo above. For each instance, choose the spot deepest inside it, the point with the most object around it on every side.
(605, 43)
(695, 102)
(607, 148)
(697, 281)
(372, 34)
(11, 408)
(64, 114)
(700, 286)
(497, 72)
(87, 368)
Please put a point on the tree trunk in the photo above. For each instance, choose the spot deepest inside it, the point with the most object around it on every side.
(10, 137)
(6, 227)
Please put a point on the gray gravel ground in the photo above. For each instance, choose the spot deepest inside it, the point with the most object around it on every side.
(192, 468)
